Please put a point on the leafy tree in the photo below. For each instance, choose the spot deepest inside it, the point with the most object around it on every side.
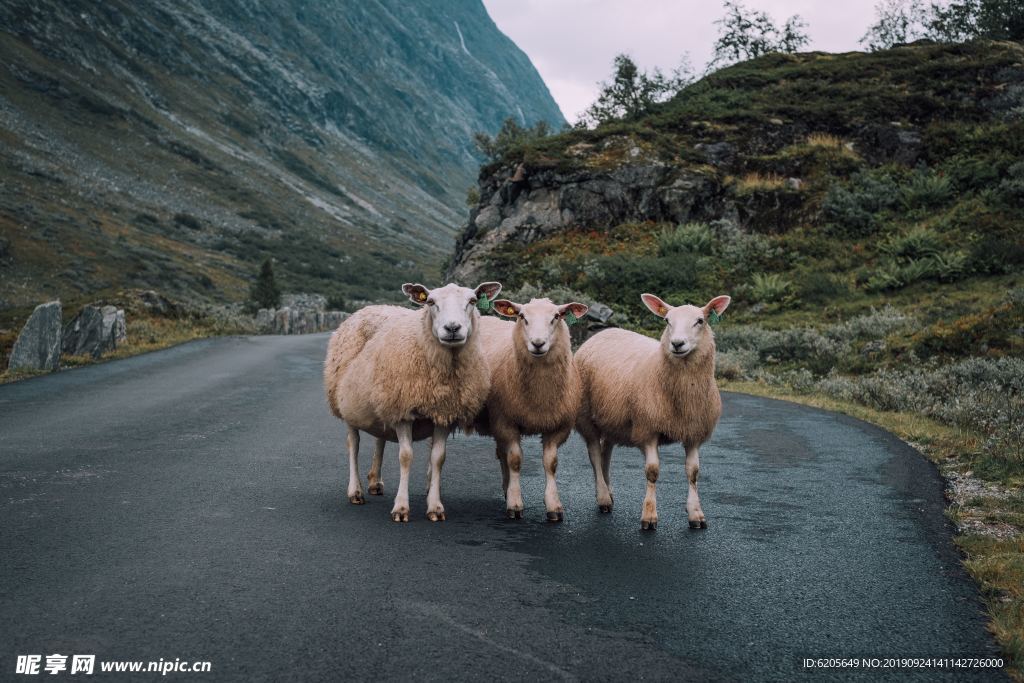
(744, 33)
(265, 292)
(633, 92)
(896, 22)
(509, 137)
(903, 21)
(967, 19)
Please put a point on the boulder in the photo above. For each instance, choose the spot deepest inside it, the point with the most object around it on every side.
(282, 319)
(304, 302)
(39, 344)
(158, 304)
(265, 320)
(94, 331)
(114, 324)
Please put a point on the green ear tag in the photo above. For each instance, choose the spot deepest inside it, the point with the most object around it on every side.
(483, 303)
(570, 319)
(714, 317)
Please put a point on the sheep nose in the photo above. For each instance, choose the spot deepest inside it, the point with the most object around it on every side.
(453, 327)
(678, 345)
(537, 344)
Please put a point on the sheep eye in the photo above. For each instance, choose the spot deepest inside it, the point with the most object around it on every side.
(700, 321)
(430, 302)
(522, 317)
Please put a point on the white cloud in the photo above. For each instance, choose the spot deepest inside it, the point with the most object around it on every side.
(572, 42)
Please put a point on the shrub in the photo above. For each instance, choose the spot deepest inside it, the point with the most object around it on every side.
(742, 252)
(817, 287)
(926, 189)
(768, 288)
(853, 209)
(691, 237)
(187, 221)
(916, 244)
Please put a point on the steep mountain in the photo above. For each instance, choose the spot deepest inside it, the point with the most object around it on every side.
(175, 144)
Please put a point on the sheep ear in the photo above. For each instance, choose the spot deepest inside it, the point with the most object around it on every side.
(417, 293)
(578, 310)
(488, 289)
(656, 305)
(718, 305)
(506, 308)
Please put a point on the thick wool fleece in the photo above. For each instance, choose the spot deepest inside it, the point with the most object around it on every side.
(404, 374)
(528, 395)
(633, 393)
(348, 340)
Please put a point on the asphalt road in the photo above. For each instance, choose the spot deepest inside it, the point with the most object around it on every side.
(191, 504)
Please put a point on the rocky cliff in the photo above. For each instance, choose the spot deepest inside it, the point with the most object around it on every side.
(175, 144)
(799, 157)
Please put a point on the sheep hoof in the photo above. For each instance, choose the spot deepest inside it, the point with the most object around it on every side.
(698, 525)
(376, 489)
(604, 508)
(357, 498)
(514, 514)
(436, 516)
(554, 516)
(400, 516)
(648, 526)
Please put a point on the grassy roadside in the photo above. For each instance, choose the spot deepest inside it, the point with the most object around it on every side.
(147, 331)
(989, 517)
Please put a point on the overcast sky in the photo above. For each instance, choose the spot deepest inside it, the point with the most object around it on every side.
(572, 42)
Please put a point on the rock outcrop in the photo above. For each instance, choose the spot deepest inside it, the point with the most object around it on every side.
(39, 344)
(94, 331)
(547, 201)
(299, 314)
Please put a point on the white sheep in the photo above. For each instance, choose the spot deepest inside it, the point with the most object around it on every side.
(405, 375)
(535, 389)
(641, 392)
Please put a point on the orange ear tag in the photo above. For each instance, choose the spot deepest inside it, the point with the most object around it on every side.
(510, 311)
(422, 296)
(662, 310)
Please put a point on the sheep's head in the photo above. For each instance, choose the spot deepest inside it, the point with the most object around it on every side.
(538, 321)
(451, 309)
(686, 326)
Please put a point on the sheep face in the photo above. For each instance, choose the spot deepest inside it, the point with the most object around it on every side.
(451, 309)
(537, 322)
(686, 326)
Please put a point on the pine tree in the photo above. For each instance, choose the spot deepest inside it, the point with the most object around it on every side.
(265, 292)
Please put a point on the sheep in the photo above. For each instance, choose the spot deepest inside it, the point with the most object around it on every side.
(535, 389)
(644, 393)
(405, 375)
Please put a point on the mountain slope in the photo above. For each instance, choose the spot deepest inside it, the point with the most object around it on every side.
(173, 145)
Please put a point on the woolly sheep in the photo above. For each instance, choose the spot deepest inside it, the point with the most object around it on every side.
(405, 375)
(535, 389)
(641, 392)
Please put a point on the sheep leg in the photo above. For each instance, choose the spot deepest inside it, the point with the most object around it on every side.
(400, 512)
(555, 511)
(693, 511)
(604, 495)
(514, 494)
(435, 511)
(373, 479)
(355, 493)
(606, 464)
(502, 455)
(649, 518)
